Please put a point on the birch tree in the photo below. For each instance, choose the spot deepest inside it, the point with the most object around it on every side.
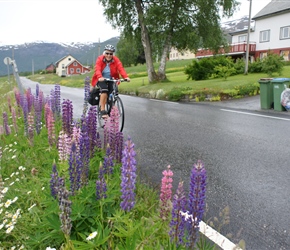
(183, 24)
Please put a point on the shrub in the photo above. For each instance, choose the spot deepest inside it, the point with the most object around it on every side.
(272, 63)
(224, 71)
(175, 94)
(160, 94)
(256, 66)
(240, 66)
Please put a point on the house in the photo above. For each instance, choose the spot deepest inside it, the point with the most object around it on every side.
(68, 65)
(50, 68)
(177, 55)
(271, 31)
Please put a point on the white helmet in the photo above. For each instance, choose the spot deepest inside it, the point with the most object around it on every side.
(109, 47)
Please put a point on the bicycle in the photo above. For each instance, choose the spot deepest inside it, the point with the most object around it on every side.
(113, 100)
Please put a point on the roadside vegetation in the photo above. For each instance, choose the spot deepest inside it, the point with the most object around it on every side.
(63, 186)
(224, 79)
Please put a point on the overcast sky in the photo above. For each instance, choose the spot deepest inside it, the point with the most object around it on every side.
(66, 21)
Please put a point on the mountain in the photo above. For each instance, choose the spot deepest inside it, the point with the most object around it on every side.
(38, 55)
(41, 54)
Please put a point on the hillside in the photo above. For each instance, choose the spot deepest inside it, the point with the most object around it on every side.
(41, 54)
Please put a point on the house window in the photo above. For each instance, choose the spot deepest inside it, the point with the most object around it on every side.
(75, 64)
(263, 55)
(62, 66)
(72, 70)
(69, 58)
(264, 36)
(78, 71)
(285, 32)
(242, 38)
(285, 54)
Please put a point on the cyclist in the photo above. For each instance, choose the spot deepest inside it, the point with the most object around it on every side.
(107, 66)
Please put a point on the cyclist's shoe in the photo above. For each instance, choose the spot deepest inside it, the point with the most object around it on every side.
(104, 114)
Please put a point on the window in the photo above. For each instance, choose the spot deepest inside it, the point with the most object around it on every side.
(62, 66)
(78, 71)
(242, 38)
(264, 36)
(263, 55)
(75, 64)
(285, 54)
(72, 70)
(285, 32)
(69, 58)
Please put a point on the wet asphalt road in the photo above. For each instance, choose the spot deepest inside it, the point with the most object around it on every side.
(245, 151)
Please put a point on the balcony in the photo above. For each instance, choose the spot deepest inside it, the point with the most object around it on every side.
(233, 49)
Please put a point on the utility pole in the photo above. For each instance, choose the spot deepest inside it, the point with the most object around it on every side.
(99, 47)
(248, 39)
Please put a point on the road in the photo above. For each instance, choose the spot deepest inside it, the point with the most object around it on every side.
(245, 153)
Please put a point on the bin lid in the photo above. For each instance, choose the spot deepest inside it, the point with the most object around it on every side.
(265, 80)
(281, 80)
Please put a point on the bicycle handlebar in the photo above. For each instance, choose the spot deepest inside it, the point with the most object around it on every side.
(115, 80)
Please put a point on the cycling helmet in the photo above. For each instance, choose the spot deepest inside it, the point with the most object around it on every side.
(109, 47)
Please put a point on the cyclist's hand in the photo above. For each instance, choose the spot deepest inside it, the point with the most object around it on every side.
(101, 79)
(127, 79)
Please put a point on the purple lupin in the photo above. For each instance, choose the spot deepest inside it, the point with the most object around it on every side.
(128, 176)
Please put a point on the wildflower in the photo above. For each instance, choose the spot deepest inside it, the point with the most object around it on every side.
(166, 193)
(8, 203)
(128, 173)
(9, 229)
(15, 199)
(29, 192)
(13, 157)
(4, 191)
(177, 222)
(67, 117)
(101, 188)
(92, 235)
(49, 248)
(196, 200)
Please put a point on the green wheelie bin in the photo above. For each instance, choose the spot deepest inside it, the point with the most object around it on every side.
(279, 84)
(266, 93)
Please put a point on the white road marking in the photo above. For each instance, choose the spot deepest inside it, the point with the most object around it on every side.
(246, 113)
(156, 100)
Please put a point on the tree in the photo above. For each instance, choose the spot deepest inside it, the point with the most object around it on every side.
(189, 24)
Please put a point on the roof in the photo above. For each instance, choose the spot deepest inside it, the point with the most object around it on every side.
(275, 7)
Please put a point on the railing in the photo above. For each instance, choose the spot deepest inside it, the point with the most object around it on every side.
(232, 49)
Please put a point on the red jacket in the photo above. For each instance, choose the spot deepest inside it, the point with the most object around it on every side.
(116, 68)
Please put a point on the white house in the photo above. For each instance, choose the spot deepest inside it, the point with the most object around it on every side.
(68, 65)
(271, 31)
(180, 55)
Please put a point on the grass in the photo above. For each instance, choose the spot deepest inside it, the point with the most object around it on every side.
(177, 79)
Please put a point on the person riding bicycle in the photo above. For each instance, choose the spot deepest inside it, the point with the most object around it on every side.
(108, 66)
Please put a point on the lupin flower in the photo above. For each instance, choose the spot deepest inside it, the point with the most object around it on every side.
(75, 169)
(91, 126)
(108, 161)
(64, 146)
(50, 128)
(166, 193)
(87, 94)
(119, 146)
(54, 182)
(38, 113)
(5, 124)
(196, 200)
(30, 121)
(128, 175)
(65, 208)
(67, 116)
(177, 222)
(101, 189)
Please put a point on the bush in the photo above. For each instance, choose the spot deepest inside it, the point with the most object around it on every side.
(175, 94)
(240, 66)
(272, 63)
(256, 66)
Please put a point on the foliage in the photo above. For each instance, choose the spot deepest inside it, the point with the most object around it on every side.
(273, 63)
(175, 94)
(224, 71)
(183, 24)
(33, 170)
(256, 66)
(239, 66)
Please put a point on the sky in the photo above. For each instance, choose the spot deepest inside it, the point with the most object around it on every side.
(68, 21)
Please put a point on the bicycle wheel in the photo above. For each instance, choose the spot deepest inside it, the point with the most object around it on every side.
(119, 104)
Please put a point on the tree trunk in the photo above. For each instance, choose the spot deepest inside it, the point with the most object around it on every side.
(162, 67)
(152, 76)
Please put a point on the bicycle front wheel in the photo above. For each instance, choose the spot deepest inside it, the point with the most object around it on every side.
(119, 104)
